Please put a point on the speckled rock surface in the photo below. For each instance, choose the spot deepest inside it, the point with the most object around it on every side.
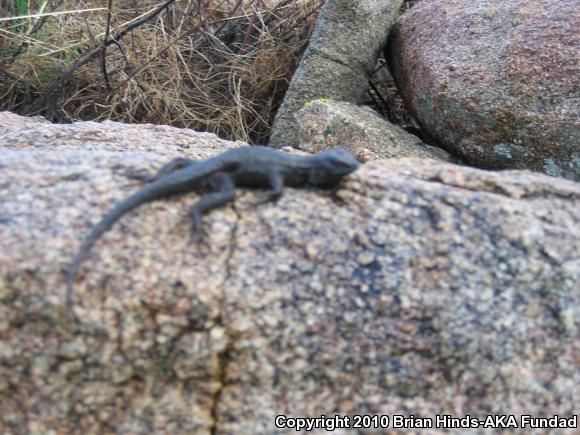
(499, 82)
(419, 288)
(341, 54)
(326, 124)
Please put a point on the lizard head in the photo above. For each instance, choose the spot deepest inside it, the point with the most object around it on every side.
(330, 166)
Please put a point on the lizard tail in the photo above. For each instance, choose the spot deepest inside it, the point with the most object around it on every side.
(181, 181)
(147, 193)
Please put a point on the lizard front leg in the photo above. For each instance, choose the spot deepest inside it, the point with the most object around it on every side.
(223, 191)
(275, 182)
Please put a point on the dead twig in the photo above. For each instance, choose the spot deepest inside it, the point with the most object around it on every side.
(90, 55)
(104, 49)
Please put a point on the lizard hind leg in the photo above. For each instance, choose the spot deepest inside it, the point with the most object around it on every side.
(172, 166)
(223, 190)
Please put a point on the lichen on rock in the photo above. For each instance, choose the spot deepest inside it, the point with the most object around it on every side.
(495, 82)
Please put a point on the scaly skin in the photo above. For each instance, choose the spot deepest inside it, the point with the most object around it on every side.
(242, 167)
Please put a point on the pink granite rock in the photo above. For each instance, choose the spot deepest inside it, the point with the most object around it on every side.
(498, 82)
(419, 287)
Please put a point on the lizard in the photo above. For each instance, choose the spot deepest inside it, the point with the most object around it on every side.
(253, 166)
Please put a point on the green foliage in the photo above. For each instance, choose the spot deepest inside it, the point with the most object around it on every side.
(21, 7)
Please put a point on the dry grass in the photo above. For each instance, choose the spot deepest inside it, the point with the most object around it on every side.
(214, 65)
(384, 97)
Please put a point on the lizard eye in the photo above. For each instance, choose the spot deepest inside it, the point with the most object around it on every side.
(340, 163)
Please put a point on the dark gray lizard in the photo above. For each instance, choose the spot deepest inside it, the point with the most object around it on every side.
(254, 166)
